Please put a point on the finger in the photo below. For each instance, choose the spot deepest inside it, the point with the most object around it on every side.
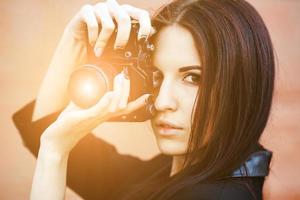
(117, 92)
(124, 23)
(69, 108)
(72, 107)
(107, 29)
(143, 17)
(153, 31)
(125, 91)
(88, 16)
(136, 104)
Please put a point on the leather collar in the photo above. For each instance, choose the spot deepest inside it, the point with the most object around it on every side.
(257, 165)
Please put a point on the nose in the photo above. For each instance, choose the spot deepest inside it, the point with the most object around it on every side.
(166, 98)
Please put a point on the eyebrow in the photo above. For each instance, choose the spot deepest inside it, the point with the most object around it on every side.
(187, 68)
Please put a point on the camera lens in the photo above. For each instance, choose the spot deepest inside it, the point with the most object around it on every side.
(87, 85)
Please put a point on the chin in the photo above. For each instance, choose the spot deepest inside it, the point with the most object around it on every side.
(171, 147)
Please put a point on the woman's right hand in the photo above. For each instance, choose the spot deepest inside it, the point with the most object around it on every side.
(71, 51)
(85, 25)
(74, 123)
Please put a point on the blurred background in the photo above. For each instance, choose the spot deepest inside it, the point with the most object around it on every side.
(29, 32)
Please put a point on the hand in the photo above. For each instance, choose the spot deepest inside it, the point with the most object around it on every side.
(88, 20)
(74, 123)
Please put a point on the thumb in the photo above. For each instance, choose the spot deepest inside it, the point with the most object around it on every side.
(136, 104)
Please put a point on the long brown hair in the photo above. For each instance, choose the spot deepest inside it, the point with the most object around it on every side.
(235, 93)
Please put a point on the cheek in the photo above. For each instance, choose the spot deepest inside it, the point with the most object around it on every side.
(185, 96)
(186, 99)
(186, 103)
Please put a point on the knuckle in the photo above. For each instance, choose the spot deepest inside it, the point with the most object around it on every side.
(99, 5)
(86, 7)
(111, 1)
(108, 27)
(124, 19)
(93, 26)
(126, 6)
(145, 13)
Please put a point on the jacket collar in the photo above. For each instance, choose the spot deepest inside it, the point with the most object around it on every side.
(257, 165)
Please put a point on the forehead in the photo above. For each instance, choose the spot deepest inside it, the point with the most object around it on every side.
(175, 47)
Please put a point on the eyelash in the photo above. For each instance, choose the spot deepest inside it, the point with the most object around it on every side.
(198, 76)
(159, 78)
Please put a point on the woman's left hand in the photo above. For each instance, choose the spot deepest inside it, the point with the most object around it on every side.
(74, 122)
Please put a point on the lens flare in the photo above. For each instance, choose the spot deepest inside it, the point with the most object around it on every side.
(86, 86)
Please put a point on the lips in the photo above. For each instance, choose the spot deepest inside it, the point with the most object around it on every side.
(167, 125)
(167, 128)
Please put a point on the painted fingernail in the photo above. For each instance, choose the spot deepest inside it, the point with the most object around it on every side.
(149, 99)
(98, 51)
(119, 50)
(119, 47)
(143, 38)
(125, 72)
(153, 31)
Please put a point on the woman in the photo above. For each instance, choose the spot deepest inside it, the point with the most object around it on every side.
(217, 75)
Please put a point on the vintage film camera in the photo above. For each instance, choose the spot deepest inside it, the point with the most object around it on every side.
(90, 82)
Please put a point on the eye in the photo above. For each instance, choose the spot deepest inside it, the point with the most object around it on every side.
(192, 78)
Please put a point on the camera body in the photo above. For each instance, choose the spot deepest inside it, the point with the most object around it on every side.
(98, 73)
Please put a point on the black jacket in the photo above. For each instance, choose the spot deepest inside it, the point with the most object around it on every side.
(97, 171)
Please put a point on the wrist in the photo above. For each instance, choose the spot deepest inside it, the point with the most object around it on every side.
(53, 158)
(50, 152)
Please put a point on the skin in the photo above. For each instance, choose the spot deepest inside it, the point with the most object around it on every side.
(49, 181)
(175, 49)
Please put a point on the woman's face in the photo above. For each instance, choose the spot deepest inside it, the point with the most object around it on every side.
(177, 58)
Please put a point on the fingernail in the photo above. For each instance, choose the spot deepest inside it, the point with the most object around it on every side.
(153, 31)
(143, 38)
(125, 72)
(98, 51)
(119, 47)
(119, 50)
(149, 99)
